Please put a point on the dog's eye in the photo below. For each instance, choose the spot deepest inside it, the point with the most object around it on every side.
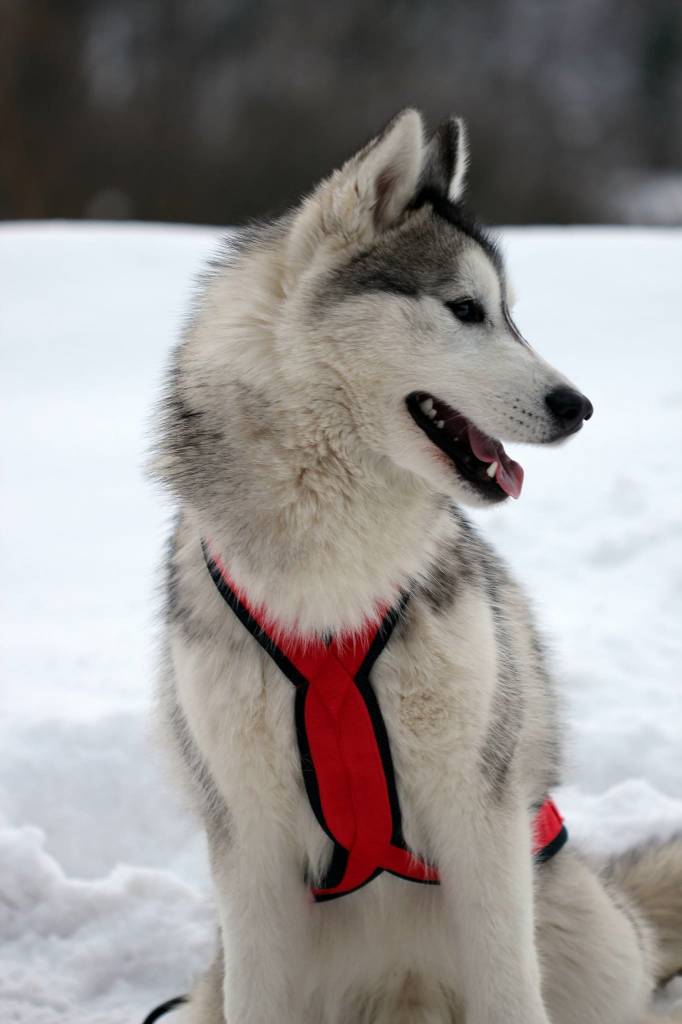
(467, 310)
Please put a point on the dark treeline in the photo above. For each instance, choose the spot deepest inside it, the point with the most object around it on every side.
(217, 110)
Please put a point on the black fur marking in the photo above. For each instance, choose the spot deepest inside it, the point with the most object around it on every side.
(448, 138)
(443, 588)
(442, 154)
(452, 571)
(459, 217)
(257, 233)
(552, 745)
(192, 432)
(419, 258)
(507, 710)
(172, 587)
(512, 326)
(178, 608)
(369, 272)
(468, 562)
(214, 809)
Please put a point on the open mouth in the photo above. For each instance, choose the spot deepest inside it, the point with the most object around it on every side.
(480, 459)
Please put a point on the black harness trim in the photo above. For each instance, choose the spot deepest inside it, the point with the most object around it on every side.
(164, 1008)
(547, 852)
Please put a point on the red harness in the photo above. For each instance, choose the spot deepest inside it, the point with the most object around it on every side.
(344, 749)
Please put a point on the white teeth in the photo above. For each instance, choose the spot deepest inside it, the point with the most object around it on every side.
(440, 424)
(492, 470)
(426, 406)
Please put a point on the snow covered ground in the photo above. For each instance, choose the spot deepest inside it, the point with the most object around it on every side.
(104, 902)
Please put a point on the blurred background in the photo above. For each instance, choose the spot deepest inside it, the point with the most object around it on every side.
(214, 111)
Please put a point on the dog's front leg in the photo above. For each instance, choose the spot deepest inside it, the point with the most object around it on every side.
(486, 873)
(265, 912)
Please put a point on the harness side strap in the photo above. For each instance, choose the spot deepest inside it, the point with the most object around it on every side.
(550, 833)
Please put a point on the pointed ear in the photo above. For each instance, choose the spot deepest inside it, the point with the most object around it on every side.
(371, 192)
(447, 158)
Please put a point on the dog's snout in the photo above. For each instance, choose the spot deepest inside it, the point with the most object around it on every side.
(569, 407)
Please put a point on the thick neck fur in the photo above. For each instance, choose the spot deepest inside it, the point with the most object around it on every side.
(259, 445)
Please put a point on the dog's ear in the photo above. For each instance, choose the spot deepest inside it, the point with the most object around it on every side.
(373, 189)
(368, 195)
(447, 158)
(389, 169)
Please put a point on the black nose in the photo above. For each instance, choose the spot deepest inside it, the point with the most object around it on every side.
(570, 407)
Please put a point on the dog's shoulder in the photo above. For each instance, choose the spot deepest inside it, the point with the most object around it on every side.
(464, 560)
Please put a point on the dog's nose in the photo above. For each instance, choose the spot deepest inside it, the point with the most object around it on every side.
(569, 407)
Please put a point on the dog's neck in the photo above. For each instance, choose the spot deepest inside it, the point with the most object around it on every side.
(323, 534)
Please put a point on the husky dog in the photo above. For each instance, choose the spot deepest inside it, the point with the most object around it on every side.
(342, 390)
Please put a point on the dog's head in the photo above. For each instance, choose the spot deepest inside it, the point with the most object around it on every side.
(400, 303)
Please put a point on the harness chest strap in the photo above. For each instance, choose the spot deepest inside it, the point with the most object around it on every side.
(344, 749)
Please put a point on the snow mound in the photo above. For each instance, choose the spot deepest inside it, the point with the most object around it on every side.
(92, 950)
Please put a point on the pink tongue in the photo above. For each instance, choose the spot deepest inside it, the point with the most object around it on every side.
(509, 474)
